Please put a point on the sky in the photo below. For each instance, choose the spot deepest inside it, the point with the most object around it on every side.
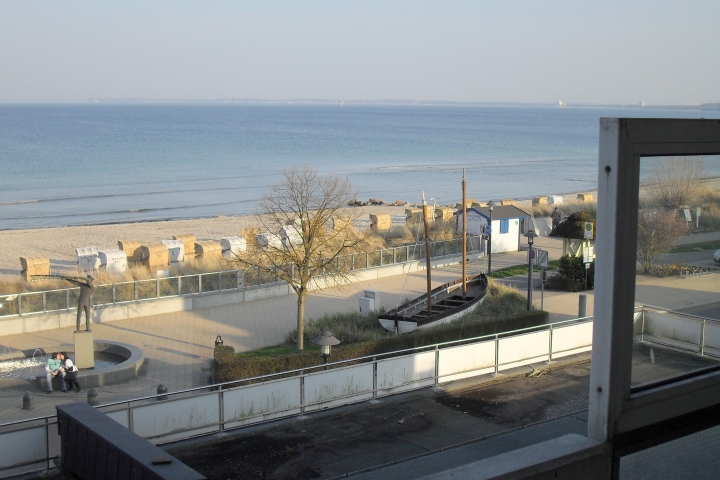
(603, 52)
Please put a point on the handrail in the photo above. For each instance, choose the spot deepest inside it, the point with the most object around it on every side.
(249, 281)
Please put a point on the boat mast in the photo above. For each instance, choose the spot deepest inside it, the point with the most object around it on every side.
(464, 234)
(427, 255)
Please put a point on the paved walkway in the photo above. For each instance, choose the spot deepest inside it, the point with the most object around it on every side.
(178, 346)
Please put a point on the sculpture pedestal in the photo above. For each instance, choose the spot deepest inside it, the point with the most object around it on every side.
(84, 350)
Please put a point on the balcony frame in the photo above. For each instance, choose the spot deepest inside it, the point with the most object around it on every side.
(614, 410)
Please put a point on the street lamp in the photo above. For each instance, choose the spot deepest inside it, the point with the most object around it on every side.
(531, 237)
(326, 341)
(490, 205)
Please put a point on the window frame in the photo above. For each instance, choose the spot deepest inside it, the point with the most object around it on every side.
(613, 408)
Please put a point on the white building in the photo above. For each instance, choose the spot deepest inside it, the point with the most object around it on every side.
(508, 225)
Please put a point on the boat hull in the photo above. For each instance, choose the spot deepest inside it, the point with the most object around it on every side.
(447, 305)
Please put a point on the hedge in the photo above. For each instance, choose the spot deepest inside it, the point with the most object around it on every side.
(228, 366)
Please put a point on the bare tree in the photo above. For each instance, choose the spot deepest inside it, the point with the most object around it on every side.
(657, 234)
(674, 181)
(311, 210)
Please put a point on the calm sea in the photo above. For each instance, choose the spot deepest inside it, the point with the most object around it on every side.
(94, 164)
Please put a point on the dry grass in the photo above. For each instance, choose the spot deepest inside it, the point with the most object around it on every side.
(540, 211)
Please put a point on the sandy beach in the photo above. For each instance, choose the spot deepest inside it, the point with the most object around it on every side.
(59, 244)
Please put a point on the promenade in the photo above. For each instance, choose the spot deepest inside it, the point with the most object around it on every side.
(178, 347)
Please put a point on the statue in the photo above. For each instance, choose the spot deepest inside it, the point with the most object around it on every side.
(85, 299)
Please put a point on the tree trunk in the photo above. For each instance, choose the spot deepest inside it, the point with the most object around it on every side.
(300, 319)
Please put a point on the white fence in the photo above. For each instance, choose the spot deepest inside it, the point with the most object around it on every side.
(226, 406)
(679, 330)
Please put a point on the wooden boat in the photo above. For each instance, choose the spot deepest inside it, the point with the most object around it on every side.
(448, 303)
(442, 304)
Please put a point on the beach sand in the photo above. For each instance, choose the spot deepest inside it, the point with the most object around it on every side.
(59, 244)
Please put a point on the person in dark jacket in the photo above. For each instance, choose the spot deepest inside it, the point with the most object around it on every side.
(556, 217)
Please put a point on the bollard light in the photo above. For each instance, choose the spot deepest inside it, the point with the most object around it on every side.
(92, 397)
(326, 341)
(28, 401)
(161, 390)
(531, 238)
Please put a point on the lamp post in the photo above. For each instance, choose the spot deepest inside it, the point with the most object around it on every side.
(490, 205)
(531, 237)
(326, 341)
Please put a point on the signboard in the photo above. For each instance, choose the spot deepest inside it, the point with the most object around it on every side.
(587, 266)
(588, 230)
(588, 255)
(688, 218)
(541, 258)
(488, 230)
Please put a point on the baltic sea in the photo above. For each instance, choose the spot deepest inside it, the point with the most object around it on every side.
(95, 164)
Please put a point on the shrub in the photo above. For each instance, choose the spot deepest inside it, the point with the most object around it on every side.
(228, 366)
(571, 275)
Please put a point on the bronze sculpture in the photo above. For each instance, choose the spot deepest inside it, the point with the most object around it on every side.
(85, 298)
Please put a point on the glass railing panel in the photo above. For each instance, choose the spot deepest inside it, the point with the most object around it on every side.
(124, 292)
(146, 289)
(102, 295)
(189, 284)
(387, 256)
(209, 282)
(374, 258)
(31, 302)
(229, 280)
(9, 304)
(56, 300)
(73, 297)
(168, 287)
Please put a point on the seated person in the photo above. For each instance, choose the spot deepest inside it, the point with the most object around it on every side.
(53, 367)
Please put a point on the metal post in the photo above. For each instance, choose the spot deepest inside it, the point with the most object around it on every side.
(702, 338)
(221, 409)
(437, 365)
(550, 344)
(374, 378)
(179, 285)
(44, 298)
(367, 260)
(157, 288)
(302, 394)
(542, 289)
(394, 255)
(47, 443)
(497, 352)
(113, 293)
(219, 282)
(135, 290)
(200, 282)
(490, 243)
(530, 277)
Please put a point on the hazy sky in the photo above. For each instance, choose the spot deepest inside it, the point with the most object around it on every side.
(663, 52)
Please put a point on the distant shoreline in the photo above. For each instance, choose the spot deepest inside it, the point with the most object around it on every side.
(712, 107)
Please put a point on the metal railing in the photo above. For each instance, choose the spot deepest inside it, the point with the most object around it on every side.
(139, 290)
(250, 401)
